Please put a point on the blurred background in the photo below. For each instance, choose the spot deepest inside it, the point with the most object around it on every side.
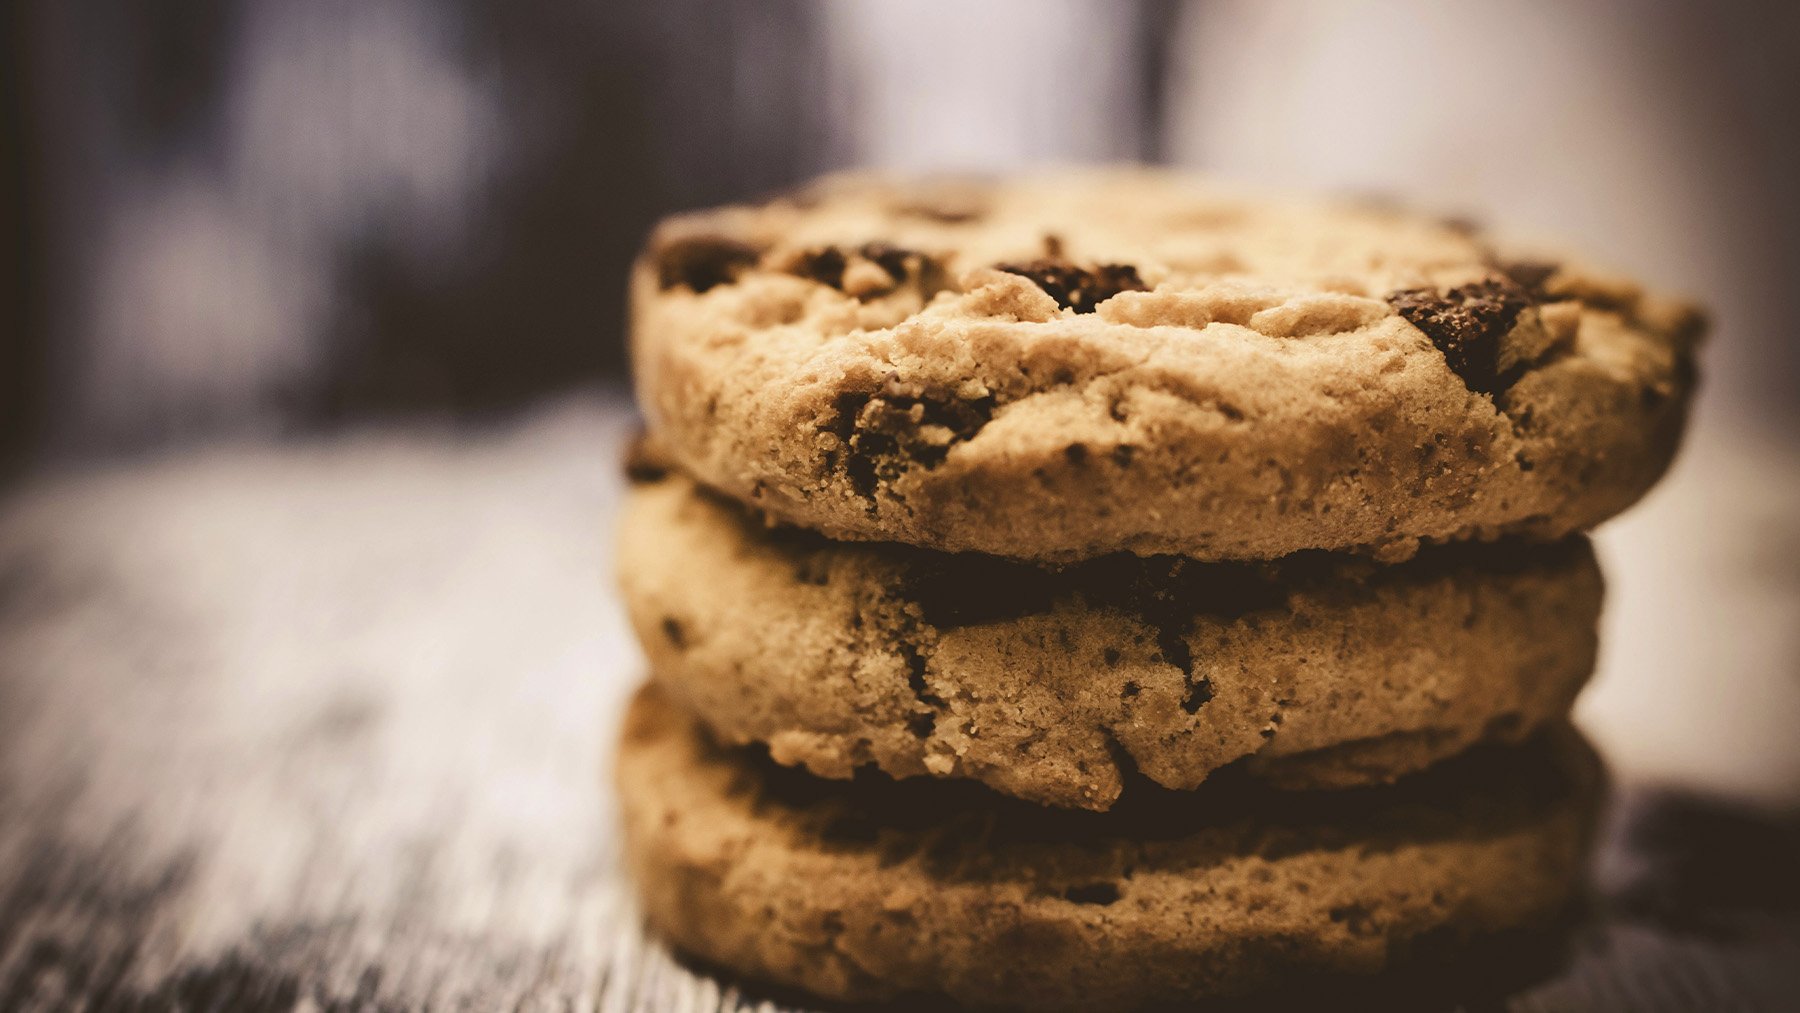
(312, 390)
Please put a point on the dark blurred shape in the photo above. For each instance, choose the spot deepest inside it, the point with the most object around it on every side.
(250, 214)
(618, 113)
(1702, 864)
(20, 346)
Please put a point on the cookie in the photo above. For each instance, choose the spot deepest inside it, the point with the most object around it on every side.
(1051, 685)
(886, 890)
(1065, 366)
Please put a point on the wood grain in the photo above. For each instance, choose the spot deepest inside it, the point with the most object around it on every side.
(325, 726)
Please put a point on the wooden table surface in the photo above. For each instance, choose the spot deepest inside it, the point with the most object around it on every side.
(325, 726)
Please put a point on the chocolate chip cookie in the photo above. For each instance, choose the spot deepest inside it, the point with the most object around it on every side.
(1066, 366)
(1052, 684)
(889, 890)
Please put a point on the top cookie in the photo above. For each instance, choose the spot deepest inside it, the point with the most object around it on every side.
(1062, 366)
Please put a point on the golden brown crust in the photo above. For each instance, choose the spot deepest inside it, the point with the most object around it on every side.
(1079, 364)
(890, 890)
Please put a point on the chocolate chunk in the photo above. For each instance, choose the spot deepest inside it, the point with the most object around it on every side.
(1466, 323)
(892, 259)
(859, 467)
(702, 262)
(1078, 288)
(886, 433)
(827, 265)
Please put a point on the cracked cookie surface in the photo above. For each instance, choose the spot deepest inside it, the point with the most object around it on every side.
(1065, 366)
(885, 890)
(1053, 685)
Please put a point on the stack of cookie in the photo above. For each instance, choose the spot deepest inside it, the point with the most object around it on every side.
(1101, 588)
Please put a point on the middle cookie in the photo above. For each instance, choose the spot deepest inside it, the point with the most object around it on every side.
(1052, 685)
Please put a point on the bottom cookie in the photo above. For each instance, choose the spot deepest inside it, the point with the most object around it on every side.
(878, 890)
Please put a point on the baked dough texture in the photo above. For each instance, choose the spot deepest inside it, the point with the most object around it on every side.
(1086, 362)
(888, 890)
(1053, 685)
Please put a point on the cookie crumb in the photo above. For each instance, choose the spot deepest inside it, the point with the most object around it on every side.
(1466, 323)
